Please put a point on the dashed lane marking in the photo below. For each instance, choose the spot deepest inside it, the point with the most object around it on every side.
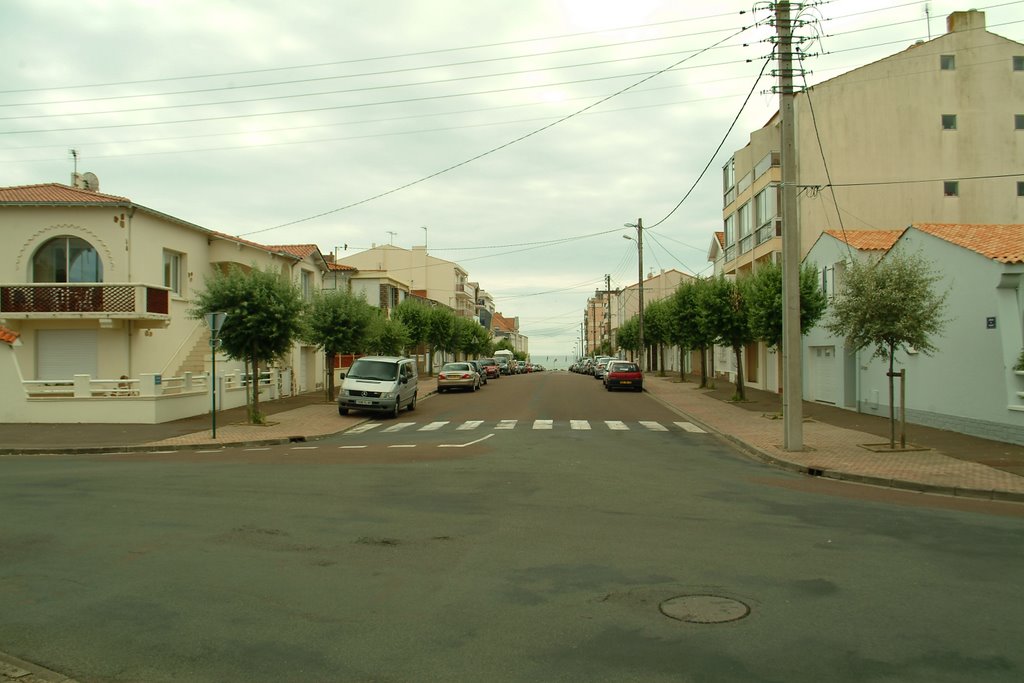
(303, 448)
(403, 445)
(616, 425)
(654, 426)
(579, 424)
(689, 427)
(463, 445)
(543, 424)
(363, 446)
(257, 449)
(506, 424)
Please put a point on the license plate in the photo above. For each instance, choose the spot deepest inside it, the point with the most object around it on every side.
(626, 381)
(364, 403)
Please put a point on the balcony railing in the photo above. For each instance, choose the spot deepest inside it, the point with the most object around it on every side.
(58, 300)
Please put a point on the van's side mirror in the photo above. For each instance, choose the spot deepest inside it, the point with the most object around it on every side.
(341, 375)
(405, 379)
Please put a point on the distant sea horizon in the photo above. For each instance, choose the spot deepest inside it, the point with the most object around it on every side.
(554, 362)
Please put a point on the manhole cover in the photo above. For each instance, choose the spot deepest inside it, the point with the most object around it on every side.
(704, 609)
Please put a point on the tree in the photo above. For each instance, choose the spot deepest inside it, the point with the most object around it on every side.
(440, 333)
(727, 313)
(387, 337)
(415, 315)
(337, 322)
(765, 298)
(264, 318)
(628, 335)
(690, 327)
(657, 328)
(889, 304)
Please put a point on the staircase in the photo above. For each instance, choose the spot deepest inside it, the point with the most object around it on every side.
(196, 360)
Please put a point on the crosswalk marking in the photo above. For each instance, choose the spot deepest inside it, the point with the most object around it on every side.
(654, 426)
(690, 427)
(579, 424)
(399, 427)
(506, 424)
(433, 426)
(469, 424)
(360, 429)
(543, 424)
(616, 425)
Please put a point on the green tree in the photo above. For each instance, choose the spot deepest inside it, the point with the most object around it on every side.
(657, 328)
(337, 322)
(727, 313)
(690, 328)
(888, 304)
(264, 318)
(388, 337)
(628, 336)
(415, 315)
(765, 298)
(440, 333)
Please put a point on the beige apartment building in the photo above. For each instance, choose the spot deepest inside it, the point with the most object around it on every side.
(931, 134)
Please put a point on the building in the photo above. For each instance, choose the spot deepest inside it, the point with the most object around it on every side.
(969, 384)
(98, 290)
(932, 134)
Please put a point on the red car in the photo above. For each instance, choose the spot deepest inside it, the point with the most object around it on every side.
(623, 374)
(491, 367)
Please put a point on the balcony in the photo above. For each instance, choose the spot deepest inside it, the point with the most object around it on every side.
(56, 301)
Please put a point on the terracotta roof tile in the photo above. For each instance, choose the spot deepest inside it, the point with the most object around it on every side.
(300, 250)
(8, 336)
(720, 236)
(1003, 243)
(867, 240)
(340, 266)
(55, 193)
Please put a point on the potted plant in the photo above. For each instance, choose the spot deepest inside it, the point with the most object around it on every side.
(1019, 367)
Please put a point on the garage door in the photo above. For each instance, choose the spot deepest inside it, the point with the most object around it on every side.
(824, 387)
(62, 354)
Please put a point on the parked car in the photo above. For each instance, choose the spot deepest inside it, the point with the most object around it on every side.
(623, 374)
(461, 375)
(478, 365)
(491, 368)
(379, 384)
(599, 369)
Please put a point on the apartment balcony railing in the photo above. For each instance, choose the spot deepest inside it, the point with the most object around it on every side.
(72, 300)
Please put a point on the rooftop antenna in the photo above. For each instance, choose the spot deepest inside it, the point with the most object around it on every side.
(74, 155)
(928, 19)
(392, 240)
(424, 237)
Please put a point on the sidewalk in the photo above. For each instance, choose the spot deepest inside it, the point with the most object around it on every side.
(953, 464)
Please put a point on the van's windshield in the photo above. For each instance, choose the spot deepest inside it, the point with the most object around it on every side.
(373, 369)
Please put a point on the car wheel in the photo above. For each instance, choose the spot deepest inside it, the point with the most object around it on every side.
(440, 390)
(607, 387)
(342, 411)
(412, 404)
(398, 407)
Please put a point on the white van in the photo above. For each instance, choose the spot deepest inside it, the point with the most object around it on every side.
(382, 384)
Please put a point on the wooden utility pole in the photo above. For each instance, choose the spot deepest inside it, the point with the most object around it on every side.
(792, 384)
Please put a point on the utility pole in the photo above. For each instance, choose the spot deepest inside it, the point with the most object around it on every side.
(639, 225)
(792, 384)
(608, 307)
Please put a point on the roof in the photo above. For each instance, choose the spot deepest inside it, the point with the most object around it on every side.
(867, 240)
(500, 322)
(720, 236)
(1003, 243)
(8, 336)
(56, 193)
(298, 250)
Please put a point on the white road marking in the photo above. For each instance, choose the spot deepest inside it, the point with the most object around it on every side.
(469, 424)
(363, 428)
(304, 448)
(399, 427)
(506, 424)
(690, 427)
(654, 426)
(616, 425)
(579, 424)
(214, 451)
(351, 446)
(432, 427)
(543, 424)
(257, 449)
(403, 445)
(463, 445)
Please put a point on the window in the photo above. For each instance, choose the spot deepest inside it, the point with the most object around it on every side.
(730, 230)
(1018, 63)
(765, 205)
(172, 270)
(949, 122)
(1018, 121)
(951, 188)
(307, 285)
(1020, 188)
(729, 174)
(947, 62)
(66, 259)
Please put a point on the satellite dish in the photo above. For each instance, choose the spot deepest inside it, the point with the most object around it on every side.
(90, 181)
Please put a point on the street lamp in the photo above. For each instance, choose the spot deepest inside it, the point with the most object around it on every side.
(639, 225)
(215, 321)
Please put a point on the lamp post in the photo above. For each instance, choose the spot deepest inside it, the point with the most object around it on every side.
(639, 225)
(216, 322)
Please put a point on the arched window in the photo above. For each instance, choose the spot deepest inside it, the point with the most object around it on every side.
(67, 259)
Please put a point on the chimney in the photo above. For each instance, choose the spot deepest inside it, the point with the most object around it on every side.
(965, 21)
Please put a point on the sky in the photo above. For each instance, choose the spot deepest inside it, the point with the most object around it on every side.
(514, 138)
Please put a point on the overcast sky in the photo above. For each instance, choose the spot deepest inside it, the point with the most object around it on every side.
(522, 135)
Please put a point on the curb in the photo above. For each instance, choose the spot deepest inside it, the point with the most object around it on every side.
(14, 669)
(898, 484)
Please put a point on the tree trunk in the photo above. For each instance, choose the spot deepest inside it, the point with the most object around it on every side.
(330, 375)
(682, 364)
(661, 360)
(892, 406)
(740, 393)
(711, 374)
(254, 414)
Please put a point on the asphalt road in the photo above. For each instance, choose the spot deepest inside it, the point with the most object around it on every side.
(476, 553)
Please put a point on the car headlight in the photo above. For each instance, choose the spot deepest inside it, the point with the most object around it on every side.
(386, 395)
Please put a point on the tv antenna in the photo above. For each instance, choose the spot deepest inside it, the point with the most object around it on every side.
(392, 233)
